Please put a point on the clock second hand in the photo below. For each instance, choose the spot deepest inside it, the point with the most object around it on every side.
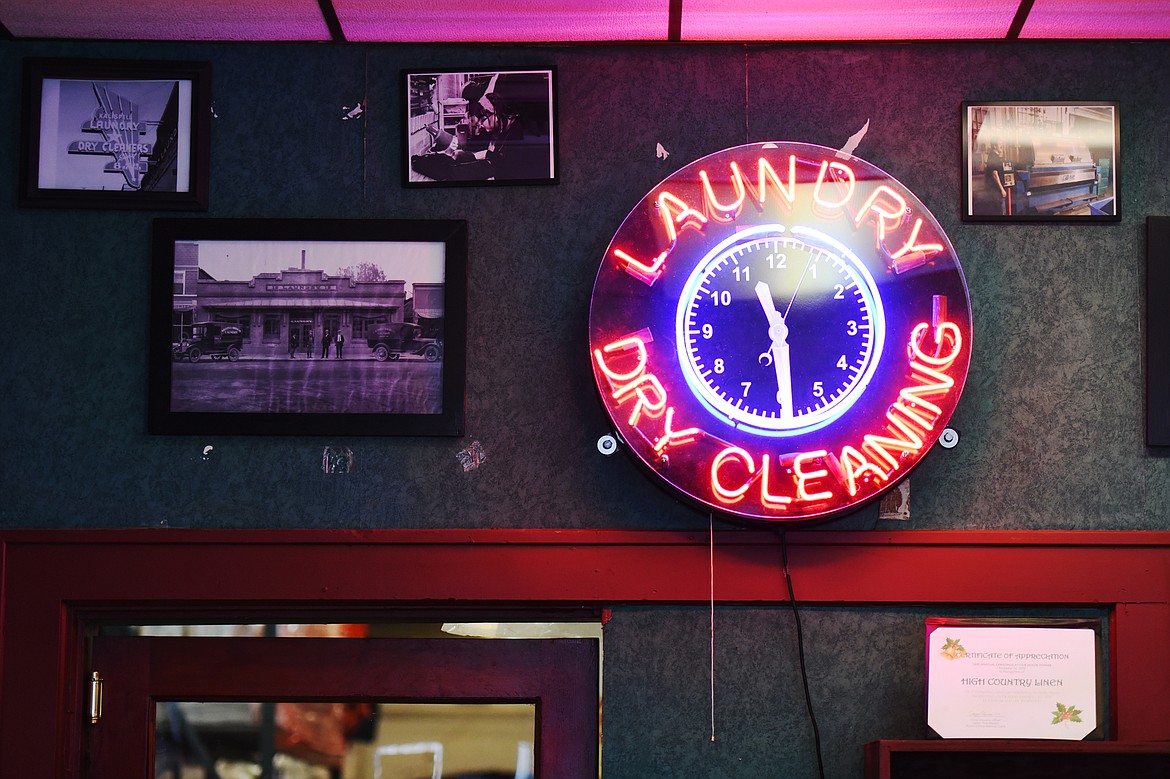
(799, 281)
(778, 334)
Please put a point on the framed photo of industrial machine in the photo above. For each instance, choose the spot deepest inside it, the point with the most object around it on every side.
(479, 128)
(116, 134)
(308, 327)
(1041, 162)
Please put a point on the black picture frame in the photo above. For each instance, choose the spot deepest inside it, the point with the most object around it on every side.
(1056, 161)
(1157, 334)
(91, 128)
(479, 128)
(955, 626)
(231, 290)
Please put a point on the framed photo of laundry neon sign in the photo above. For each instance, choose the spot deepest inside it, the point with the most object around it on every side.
(116, 134)
(780, 332)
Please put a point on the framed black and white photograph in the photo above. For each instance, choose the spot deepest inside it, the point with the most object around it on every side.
(308, 327)
(116, 134)
(1040, 162)
(472, 128)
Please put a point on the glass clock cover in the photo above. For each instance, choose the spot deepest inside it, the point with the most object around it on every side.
(780, 332)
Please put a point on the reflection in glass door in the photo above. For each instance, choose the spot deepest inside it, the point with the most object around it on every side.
(343, 740)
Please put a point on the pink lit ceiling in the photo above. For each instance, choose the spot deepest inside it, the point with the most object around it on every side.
(530, 21)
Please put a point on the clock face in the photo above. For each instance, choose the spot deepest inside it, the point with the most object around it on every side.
(780, 333)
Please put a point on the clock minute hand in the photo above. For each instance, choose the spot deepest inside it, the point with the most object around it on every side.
(778, 334)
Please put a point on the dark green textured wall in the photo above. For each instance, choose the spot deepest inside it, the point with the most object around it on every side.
(866, 682)
(1052, 417)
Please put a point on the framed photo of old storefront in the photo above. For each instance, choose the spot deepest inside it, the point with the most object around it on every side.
(308, 327)
(479, 128)
(1041, 162)
(116, 134)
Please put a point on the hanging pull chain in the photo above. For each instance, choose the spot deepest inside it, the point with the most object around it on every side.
(711, 571)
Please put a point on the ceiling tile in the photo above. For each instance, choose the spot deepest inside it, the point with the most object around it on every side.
(1115, 19)
(520, 21)
(581, 20)
(218, 20)
(841, 20)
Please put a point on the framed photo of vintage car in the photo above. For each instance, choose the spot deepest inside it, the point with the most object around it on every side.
(479, 128)
(1041, 162)
(308, 327)
(116, 134)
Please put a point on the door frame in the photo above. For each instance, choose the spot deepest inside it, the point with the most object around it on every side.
(559, 676)
(59, 585)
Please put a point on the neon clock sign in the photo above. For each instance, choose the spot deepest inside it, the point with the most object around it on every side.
(780, 332)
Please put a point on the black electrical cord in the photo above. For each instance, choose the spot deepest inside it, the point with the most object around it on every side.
(800, 651)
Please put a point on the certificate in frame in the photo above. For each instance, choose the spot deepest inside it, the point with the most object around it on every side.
(1014, 678)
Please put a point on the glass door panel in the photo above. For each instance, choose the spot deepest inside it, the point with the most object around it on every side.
(340, 740)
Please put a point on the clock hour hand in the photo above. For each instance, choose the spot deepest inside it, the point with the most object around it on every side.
(778, 351)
